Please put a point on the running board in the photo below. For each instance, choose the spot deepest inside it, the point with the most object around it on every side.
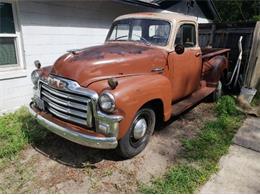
(188, 102)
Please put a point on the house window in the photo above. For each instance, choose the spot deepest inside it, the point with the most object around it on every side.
(9, 37)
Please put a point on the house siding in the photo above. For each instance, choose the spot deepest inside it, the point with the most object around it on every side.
(50, 28)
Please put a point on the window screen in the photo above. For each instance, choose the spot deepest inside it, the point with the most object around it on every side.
(7, 51)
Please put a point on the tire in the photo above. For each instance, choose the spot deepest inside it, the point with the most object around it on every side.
(134, 142)
(217, 93)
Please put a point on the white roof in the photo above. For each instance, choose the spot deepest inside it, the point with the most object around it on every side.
(171, 16)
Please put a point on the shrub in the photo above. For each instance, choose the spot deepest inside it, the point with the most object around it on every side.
(226, 106)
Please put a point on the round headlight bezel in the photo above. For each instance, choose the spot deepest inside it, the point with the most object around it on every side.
(35, 76)
(107, 96)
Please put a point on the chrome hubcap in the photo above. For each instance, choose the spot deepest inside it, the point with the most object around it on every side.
(140, 128)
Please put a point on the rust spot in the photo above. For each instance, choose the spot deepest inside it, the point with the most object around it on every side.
(99, 52)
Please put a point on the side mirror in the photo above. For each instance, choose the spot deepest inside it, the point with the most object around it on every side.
(179, 49)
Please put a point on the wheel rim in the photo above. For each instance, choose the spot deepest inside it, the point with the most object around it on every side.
(141, 127)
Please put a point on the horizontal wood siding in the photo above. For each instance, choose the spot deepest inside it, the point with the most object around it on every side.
(53, 27)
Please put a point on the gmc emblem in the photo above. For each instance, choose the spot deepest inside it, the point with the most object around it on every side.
(56, 83)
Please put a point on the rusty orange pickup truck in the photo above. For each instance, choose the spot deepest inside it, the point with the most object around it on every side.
(111, 96)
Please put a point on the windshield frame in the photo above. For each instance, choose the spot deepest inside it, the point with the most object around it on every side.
(131, 27)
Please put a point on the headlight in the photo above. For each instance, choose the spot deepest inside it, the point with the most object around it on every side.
(35, 76)
(107, 102)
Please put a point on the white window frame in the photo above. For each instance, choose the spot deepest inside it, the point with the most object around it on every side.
(14, 70)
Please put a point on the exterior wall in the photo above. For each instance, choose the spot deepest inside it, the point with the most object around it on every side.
(49, 29)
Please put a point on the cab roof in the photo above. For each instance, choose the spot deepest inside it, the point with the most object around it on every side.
(170, 16)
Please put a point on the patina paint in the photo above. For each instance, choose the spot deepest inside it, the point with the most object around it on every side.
(133, 65)
(111, 59)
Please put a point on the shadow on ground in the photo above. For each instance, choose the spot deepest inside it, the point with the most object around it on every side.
(74, 155)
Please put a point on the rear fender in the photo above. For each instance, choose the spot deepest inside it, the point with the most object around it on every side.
(213, 69)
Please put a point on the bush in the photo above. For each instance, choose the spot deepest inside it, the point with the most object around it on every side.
(226, 106)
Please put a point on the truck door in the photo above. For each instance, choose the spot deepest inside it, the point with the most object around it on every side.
(186, 67)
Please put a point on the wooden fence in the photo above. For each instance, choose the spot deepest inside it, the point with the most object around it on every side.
(252, 78)
(226, 36)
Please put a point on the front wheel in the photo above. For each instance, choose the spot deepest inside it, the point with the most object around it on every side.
(138, 134)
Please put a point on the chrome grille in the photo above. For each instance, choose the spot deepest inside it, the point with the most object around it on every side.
(66, 104)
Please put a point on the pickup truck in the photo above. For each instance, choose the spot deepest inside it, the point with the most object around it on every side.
(111, 96)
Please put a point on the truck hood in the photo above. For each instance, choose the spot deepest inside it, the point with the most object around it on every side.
(109, 60)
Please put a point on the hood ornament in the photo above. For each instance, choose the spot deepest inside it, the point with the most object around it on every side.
(75, 51)
(56, 83)
(72, 52)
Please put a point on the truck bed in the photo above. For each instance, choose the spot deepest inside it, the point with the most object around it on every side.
(211, 52)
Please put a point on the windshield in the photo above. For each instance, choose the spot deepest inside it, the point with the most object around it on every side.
(149, 31)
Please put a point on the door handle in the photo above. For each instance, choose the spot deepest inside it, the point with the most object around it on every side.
(197, 54)
(158, 69)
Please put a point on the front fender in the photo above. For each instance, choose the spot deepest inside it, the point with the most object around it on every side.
(133, 92)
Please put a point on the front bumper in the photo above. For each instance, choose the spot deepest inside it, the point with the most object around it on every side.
(70, 134)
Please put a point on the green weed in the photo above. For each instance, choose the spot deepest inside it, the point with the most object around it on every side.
(256, 100)
(17, 130)
(200, 156)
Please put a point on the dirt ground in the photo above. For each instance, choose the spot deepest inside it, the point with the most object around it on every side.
(60, 166)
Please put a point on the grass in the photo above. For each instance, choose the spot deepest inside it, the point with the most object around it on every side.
(200, 155)
(16, 131)
(196, 163)
(256, 100)
(16, 179)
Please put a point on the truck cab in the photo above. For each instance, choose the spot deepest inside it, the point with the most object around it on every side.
(111, 96)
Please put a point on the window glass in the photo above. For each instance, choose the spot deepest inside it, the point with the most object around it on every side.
(137, 33)
(6, 18)
(120, 32)
(186, 35)
(159, 30)
(159, 33)
(148, 31)
(7, 51)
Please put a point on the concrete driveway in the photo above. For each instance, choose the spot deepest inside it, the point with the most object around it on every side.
(240, 168)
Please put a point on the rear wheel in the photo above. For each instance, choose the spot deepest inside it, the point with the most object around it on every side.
(138, 134)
